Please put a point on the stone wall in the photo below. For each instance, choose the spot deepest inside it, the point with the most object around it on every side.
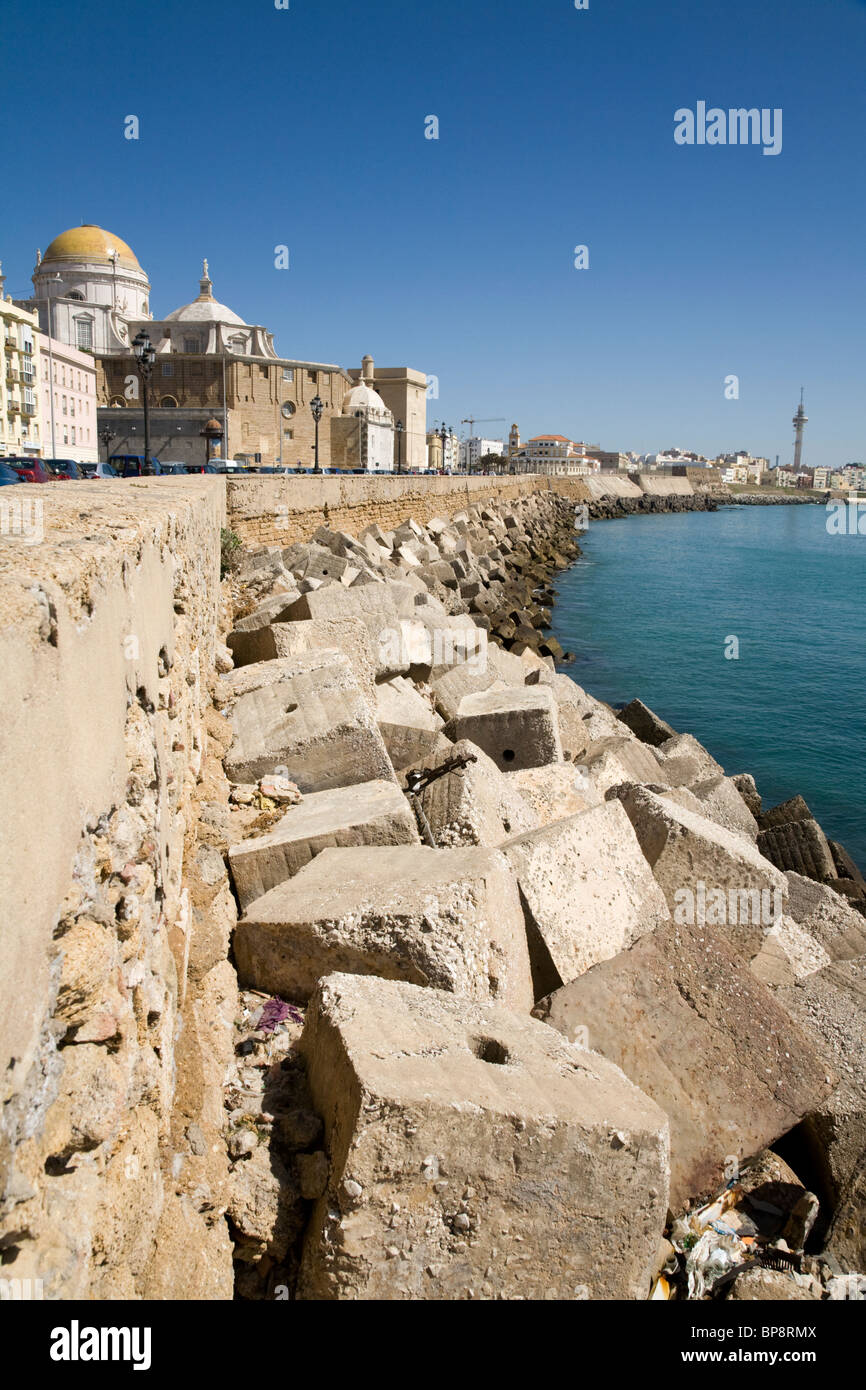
(114, 985)
(272, 509)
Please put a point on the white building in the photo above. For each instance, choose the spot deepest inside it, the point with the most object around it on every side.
(363, 435)
(20, 420)
(550, 454)
(88, 289)
(473, 449)
(68, 398)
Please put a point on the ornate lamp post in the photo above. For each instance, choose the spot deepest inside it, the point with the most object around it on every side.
(145, 356)
(106, 435)
(443, 435)
(317, 406)
(399, 428)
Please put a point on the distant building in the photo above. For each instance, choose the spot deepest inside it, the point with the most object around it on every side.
(68, 384)
(92, 294)
(821, 478)
(20, 420)
(550, 454)
(443, 461)
(472, 451)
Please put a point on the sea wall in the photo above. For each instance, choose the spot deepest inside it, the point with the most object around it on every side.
(112, 981)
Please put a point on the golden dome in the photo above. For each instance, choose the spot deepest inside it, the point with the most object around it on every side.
(89, 243)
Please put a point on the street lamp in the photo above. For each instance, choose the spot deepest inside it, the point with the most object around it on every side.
(106, 435)
(317, 406)
(443, 435)
(399, 428)
(145, 356)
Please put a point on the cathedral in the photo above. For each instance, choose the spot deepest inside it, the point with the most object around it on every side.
(216, 376)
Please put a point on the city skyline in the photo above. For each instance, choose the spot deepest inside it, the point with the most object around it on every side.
(456, 255)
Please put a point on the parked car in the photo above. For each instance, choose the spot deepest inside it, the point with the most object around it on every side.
(30, 470)
(132, 465)
(97, 470)
(201, 468)
(172, 466)
(8, 474)
(63, 468)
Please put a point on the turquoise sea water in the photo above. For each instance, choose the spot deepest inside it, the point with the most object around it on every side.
(652, 602)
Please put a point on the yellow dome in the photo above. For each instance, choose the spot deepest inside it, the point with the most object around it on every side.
(89, 243)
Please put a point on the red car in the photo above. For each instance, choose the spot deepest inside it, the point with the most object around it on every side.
(30, 470)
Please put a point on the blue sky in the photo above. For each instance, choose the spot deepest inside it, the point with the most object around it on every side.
(305, 127)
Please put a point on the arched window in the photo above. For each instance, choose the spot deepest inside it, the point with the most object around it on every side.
(117, 401)
(168, 401)
(76, 295)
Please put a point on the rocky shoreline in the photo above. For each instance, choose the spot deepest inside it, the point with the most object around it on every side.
(538, 1002)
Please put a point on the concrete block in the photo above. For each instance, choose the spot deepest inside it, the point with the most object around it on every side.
(720, 800)
(587, 891)
(516, 727)
(408, 723)
(474, 1154)
(686, 761)
(827, 917)
(446, 918)
(475, 804)
(705, 870)
(646, 725)
(691, 1026)
(368, 813)
(611, 761)
(555, 791)
(831, 1006)
(347, 635)
(801, 846)
(309, 719)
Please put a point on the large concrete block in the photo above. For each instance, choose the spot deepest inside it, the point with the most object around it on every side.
(706, 871)
(691, 1026)
(611, 761)
(554, 792)
(447, 918)
(587, 890)
(516, 727)
(686, 761)
(474, 1154)
(831, 1006)
(308, 716)
(645, 724)
(368, 813)
(347, 635)
(827, 917)
(377, 605)
(473, 805)
(408, 723)
(721, 801)
(799, 845)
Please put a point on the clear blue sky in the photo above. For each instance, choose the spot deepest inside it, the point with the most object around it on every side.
(306, 127)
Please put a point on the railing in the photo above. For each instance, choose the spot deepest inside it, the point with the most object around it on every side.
(11, 342)
(28, 408)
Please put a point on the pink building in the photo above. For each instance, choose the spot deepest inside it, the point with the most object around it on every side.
(67, 402)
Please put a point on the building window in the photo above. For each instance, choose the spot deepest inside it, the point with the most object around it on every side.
(191, 345)
(263, 371)
(287, 409)
(71, 405)
(168, 369)
(168, 401)
(288, 373)
(313, 377)
(288, 434)
(64, 405)
(76, 295)
(84, 334)
(73, 434)
(118, 402)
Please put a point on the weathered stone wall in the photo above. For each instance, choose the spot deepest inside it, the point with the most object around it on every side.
(272, 509)
(113, 983)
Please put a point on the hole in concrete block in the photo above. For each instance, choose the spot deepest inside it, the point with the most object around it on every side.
(489, 1050)
(508, 755)
(290, 709)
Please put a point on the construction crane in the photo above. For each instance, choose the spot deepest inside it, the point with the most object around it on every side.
(473, 420)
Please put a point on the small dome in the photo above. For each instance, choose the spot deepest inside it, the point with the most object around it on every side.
(363, 398)
(90, 243)
(205, 309)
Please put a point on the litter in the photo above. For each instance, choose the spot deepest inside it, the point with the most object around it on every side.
(276, 1011)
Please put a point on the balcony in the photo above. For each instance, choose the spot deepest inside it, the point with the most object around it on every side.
(29, 408)
(11, 374)
(11, 342)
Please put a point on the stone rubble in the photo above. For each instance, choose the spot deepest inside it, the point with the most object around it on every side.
(472, 838)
